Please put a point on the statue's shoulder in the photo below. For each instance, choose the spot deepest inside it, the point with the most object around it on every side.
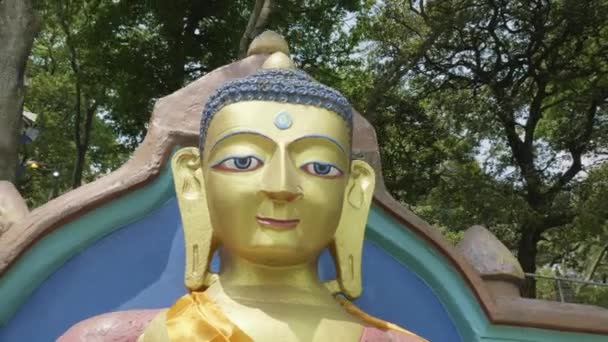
(113, 326)
(373, 334)
(379, 330)
(156, 331)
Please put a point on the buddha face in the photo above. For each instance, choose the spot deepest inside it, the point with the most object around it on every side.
(275, 176)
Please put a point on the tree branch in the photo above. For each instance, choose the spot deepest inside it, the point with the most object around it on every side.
(579, 145)
(257, 20)
(394, 72)
(535, 111)
(421, 11)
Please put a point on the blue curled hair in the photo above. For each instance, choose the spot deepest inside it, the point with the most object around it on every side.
(277, 85)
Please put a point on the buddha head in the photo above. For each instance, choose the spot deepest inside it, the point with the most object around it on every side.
(273, 180)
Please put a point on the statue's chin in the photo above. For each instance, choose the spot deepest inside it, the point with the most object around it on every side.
(278, 255)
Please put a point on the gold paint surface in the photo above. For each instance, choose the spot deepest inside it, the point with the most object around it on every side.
(270, 200)
(280, 188)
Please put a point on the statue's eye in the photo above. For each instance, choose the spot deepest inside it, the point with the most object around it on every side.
(322, 169)
(239, 164)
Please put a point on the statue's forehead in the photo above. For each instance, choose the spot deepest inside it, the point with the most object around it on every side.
(282, 122)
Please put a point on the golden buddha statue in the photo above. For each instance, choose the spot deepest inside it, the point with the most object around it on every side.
(271, 186)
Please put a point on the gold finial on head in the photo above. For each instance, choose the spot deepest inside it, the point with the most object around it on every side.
(278, 60)
(273, 44)
(268, 42)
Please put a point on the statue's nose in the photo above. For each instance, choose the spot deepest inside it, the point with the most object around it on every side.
(281, 182)
(282, 196)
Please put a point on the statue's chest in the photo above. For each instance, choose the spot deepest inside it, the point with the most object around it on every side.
(300, 326)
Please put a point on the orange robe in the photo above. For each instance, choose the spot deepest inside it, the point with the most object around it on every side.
(196, 318)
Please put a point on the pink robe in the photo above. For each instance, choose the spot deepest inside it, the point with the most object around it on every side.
(127, 326)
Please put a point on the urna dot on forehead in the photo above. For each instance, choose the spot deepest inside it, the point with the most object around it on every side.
(283, 120)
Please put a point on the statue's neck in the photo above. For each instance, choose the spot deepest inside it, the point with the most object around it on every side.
(245, 280)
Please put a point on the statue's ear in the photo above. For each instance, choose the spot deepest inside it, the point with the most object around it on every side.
(347, 246)
(198, 233)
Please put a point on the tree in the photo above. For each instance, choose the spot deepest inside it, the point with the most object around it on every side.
(99, 66)
(75, 144)
(527, 82)
(487, 111)
(18, 27)
(73, 18)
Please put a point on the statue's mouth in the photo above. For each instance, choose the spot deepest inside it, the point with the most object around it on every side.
(277, 223)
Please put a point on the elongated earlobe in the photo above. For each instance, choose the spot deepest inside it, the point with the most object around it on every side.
(347, 246)
(198, 232)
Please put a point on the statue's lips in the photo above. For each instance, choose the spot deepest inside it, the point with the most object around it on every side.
(276, 223)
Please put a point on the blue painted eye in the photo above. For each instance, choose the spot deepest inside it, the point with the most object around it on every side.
(239, 164)
(242, 163)
(322, 169)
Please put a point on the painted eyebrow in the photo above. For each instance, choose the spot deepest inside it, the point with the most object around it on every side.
(237, 132)
(323, 136)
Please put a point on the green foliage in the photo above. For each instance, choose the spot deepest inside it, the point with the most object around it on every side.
(128, 54)
(53, 94)
(595, 295)
(547, 288)
(517, 97)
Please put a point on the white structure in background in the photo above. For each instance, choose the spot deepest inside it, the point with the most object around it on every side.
(29, 131)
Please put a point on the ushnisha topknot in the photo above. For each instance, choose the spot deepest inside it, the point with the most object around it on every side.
(277, 81)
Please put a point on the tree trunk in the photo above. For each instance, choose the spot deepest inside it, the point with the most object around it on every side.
(80, 151)
(526, 255)
(82, 132)
(82, 143)
(257, 21)
(18, 27)
(78, 167)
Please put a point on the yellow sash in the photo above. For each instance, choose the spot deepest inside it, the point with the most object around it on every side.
(196, 318)
(373, 321)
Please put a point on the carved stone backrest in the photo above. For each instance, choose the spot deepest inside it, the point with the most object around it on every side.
(175, 123)
(12, 206)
